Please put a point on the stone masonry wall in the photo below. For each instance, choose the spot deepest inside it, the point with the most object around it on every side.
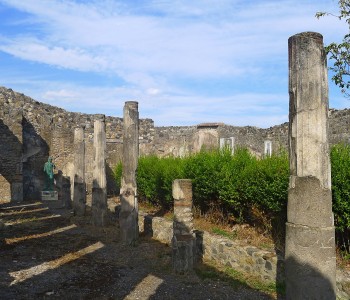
(184, 140)
(248, 259)
(10, 150)
(48, 131)
(180, 141)
(31, 131)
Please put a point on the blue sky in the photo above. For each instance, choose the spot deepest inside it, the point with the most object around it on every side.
(185, 62)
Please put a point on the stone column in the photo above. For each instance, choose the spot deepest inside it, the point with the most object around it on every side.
(310, 242)
(128, 216)
(79, 193)
(99, 190)
(183, 241)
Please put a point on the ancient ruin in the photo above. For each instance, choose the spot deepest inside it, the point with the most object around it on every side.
(128, 216)
(36, 131)
(79, 194)
(310, 242)
(31, 132)
(99, 183)
(183, 241)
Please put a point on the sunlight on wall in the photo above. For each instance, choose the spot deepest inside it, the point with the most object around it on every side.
(39, 235)
(23, 275)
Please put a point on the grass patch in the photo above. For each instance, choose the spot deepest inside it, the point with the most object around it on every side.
(224, 233)
(211, 270)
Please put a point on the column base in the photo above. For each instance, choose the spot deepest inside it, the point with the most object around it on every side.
(310, 262)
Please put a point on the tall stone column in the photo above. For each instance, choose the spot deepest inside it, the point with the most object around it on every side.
(128, 217)
(99, 188)
(79, 193)
(183, 241)
(310, 238)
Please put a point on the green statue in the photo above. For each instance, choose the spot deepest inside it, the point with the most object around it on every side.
(48, 169)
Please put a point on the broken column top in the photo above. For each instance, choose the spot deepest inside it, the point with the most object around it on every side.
(182, 190)
(132, 103)
(308, 35)
(99, 117)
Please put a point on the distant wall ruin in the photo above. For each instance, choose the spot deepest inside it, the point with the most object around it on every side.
(30, 131)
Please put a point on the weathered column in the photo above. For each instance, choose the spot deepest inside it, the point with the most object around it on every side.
(128, 216)
(183, 241)
(99, 189)
(79, 193)
(66, 192)
(310, 243)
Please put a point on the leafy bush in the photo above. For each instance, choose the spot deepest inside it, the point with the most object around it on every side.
(239, 184)
(118, 170)
(170, 168)
(235, 183)
(154, 178)
(265, 183)
(230, 180)
(340, 158)
(203, 168)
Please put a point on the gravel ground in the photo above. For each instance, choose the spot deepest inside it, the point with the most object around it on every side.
(49, 254)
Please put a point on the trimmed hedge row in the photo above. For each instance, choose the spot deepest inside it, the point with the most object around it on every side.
(237, 183)
(234, 182)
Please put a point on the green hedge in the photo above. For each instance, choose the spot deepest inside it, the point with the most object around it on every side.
(340, 158)
(234, 182)
(154, 178)
(238, 182)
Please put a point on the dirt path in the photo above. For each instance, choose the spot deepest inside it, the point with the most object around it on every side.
(49, 254)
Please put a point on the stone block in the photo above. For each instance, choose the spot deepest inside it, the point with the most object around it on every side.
(183, 249)
(49, 196)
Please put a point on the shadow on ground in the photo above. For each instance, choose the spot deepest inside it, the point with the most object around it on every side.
(50, 254)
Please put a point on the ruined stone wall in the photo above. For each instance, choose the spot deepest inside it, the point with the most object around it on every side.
(30, 131)
(180, 141)
(339, 126)
(10, 150)
(48, 131)
(268, 265)
(173, 140)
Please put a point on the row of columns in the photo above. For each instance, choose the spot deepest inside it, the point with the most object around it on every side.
(128, 216)
(310, 243)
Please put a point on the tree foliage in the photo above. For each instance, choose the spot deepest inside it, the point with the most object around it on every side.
(339, 53)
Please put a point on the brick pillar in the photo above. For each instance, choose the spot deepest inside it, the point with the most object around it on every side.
(310, 242)
(99, 191)
(128, 216)
(79, 193)
(183, 241)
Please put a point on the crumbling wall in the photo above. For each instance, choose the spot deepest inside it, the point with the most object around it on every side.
(48, 131)
(11, 178)
(180, 141)
(30, 131)
(174, 140)
(339, 126)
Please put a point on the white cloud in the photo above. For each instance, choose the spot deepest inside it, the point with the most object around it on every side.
(103, 35)
(160, 49)
(153, 91)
